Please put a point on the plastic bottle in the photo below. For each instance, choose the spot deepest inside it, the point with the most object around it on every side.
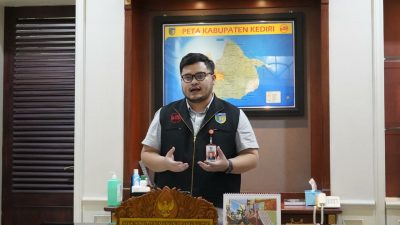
(143, 181)
(132, 179)
(136, 178)
(114, 191)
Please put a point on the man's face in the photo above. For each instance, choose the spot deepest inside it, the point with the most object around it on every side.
(197, 91)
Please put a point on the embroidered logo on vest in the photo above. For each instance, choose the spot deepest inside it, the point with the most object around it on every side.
(175, 118)
(220, 118)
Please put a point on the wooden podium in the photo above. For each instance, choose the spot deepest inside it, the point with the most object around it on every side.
(166, 206)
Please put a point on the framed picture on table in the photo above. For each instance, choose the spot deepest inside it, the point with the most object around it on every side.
(258, 58)
(252, 209)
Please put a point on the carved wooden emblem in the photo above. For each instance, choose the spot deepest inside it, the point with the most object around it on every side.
(167, 204)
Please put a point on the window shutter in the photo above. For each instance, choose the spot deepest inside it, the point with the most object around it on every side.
(43, 84)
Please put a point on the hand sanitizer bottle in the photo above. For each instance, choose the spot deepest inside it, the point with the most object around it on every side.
(114, 191)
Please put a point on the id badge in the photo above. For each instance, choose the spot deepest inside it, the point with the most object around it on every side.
(211, 152)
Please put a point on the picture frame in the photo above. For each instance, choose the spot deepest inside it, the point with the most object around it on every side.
(258, 57)
(245, 208)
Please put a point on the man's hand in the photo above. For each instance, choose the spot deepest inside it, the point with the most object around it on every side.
(246, 160)
(157, 163)
(172, 165)
(219, 165)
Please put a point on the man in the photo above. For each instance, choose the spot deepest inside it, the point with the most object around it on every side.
(176, 141)
(211, 156)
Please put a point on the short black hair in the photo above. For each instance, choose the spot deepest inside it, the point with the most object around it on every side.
(193, 58)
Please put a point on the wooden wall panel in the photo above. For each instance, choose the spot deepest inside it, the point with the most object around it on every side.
(392, 145)
(391, 27)
(138, 79)
(319, 104)
(392, 96)
(137, 89)
(173, 5)
(392, 127)
(129, 156)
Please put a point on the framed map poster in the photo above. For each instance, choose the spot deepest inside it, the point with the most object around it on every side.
(258, 59)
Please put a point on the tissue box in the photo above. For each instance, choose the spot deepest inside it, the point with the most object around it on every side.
(310, 196)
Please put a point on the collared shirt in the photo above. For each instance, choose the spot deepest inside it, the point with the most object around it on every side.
(197, 117)
(245, 137)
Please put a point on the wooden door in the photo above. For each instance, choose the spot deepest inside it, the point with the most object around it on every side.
(38, 131)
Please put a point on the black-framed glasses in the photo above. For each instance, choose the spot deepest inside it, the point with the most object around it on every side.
(199, 76)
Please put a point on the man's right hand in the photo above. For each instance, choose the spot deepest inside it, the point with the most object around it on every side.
(172, 165)
(158, 163)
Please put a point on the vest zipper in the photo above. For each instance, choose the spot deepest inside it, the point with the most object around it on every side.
(194, 144)
(194, 153)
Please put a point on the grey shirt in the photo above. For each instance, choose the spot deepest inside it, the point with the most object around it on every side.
(245, 137)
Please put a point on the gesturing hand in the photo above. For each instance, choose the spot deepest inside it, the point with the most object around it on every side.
(219, 165)
(172, 165)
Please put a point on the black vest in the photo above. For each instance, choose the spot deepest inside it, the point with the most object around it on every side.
(177, 131)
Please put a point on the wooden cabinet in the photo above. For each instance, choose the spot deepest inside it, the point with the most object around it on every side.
(304, 214)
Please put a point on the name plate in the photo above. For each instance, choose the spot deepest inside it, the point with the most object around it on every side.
(163, 221)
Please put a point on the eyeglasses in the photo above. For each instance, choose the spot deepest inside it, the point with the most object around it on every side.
(199, 76)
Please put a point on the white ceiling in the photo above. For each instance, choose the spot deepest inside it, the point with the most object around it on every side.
(35, 2)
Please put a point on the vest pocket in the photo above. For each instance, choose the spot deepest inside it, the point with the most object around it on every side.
(222, 135)
(223, 129)
(173, 128)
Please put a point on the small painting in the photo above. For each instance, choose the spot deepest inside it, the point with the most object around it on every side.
(252, 209)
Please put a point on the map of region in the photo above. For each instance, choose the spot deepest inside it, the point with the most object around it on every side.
(236, 74)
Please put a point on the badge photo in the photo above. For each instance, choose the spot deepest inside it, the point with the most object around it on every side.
(211, 153)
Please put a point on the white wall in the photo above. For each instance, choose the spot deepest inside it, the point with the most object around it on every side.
(392, 211)
(351, 98)
(99, 104)
(356, 109)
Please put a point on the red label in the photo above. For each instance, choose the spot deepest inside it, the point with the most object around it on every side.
(175, 118)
